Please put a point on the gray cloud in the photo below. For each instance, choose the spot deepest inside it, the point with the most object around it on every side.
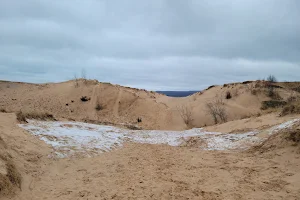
(158, 45)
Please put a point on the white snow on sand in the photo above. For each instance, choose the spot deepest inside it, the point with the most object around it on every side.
(69, 138)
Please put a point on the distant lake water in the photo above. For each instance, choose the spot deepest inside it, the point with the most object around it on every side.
(177, 93)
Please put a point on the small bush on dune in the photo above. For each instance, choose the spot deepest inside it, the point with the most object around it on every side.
(3, 110)
(99, 106)
(85, 98)
(217, 110)
(228, 95)
(22, 116)
(186, 114)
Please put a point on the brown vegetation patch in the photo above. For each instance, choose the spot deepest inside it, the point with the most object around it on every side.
(85, 98)
(10, 178)
(228, 95)
(3, 110)
(212, 86)
(13, 175)
(247, 82)
(22, 116)
(282, 139)
(290, 109)
(272, 104)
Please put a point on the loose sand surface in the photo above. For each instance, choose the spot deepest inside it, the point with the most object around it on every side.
(151, 171)
(249, 157)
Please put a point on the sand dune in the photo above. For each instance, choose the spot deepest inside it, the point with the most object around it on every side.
(125, 105)
(255, 155)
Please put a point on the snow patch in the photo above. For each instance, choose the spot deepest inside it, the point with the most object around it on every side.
(72, 138)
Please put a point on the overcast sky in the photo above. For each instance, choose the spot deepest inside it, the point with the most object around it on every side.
(156, 45)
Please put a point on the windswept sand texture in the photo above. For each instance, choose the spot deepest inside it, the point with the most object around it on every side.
(141, 166)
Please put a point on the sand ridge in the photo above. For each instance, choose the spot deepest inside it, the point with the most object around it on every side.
(125, 105)
(269, 170)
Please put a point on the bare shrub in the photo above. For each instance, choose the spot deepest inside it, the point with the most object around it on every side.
(217, 110)
(3, 110)
(83, 76)
(186, 114)
(76, 81)
(271, 78)
(22, 116)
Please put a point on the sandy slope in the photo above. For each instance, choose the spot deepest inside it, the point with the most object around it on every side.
(144, 171)
(125, 105)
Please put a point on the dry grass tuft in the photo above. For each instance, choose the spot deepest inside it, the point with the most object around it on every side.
(22, 116)
(290, 109)
(3, 110)
(294, 136)
(6, 187)
(272, 104)
(13, 175)
(10, 179)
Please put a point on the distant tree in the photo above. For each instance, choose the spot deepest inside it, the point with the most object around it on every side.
(272, 79)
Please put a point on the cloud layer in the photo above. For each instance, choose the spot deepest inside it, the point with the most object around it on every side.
(157, 45)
